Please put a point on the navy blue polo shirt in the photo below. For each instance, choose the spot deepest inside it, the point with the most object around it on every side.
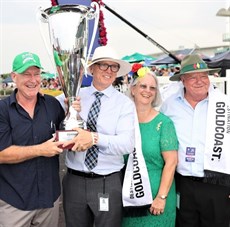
(32, 184)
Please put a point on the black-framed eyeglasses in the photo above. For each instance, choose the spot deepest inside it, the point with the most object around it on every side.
(104, 66)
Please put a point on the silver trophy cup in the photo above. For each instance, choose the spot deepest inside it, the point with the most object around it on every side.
(67, 41)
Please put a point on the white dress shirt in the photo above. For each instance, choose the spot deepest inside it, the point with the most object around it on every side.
(115, 127)
(190, 127)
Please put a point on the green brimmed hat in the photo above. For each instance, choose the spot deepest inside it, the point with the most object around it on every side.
(190, 64)
(25, 60)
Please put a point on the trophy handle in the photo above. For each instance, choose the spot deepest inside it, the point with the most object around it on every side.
(96, 21)
(43, 17)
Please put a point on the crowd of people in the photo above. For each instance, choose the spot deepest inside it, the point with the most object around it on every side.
(165, 71)
(173, 141)
(51, 83)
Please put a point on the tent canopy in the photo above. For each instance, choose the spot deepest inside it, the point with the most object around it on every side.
(137, 57)
(47, 75)
(7, 80)
(220, 61)
(180, 54)
(166, 60)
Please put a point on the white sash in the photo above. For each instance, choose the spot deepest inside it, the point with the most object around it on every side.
(136, 187)
(217, 148)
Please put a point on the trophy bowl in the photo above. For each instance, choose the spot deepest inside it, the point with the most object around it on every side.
(68, 29)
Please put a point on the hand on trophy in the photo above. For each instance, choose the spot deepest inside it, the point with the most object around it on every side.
(50, 148)
(77, 104)
(83, 141)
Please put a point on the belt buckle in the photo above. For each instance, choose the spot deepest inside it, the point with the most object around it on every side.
(91, 174)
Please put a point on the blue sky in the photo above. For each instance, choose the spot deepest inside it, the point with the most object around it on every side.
(171, 23)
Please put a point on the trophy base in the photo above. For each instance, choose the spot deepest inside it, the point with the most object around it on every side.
(70, 124)
(66, 135)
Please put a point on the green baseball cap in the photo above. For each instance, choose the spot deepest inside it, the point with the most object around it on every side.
(25, 60)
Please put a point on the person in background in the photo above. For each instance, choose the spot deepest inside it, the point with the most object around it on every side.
(155, 70)
(164, 71)
(203, 200)
(29, 165)
(177, 69)
(159, 147)
(44, 83)
(92, 192)
(171, 71)
(53, 84)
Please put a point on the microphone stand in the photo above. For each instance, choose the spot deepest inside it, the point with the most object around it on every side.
(142, 33)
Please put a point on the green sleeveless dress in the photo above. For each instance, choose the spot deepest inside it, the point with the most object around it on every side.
(157, 136)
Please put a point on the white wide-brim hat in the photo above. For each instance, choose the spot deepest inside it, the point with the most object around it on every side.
(106, 53)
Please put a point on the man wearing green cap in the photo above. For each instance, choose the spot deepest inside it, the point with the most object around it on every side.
(29, 165)
(203, 194)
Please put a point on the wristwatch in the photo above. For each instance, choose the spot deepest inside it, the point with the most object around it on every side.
(163, 197)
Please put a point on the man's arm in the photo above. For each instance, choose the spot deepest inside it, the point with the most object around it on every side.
(17, 154)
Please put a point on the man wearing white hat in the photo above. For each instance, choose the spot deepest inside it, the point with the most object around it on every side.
(92, 189)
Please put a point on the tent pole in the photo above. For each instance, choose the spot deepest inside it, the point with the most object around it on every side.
(142, 33)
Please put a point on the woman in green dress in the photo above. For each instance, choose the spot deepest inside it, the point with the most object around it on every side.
(159, 147)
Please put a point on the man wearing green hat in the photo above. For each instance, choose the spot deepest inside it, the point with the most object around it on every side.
(29, 165)
(203, 195)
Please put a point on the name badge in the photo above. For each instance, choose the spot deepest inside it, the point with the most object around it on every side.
(190, 159)
(103, 202)
(190, 151)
